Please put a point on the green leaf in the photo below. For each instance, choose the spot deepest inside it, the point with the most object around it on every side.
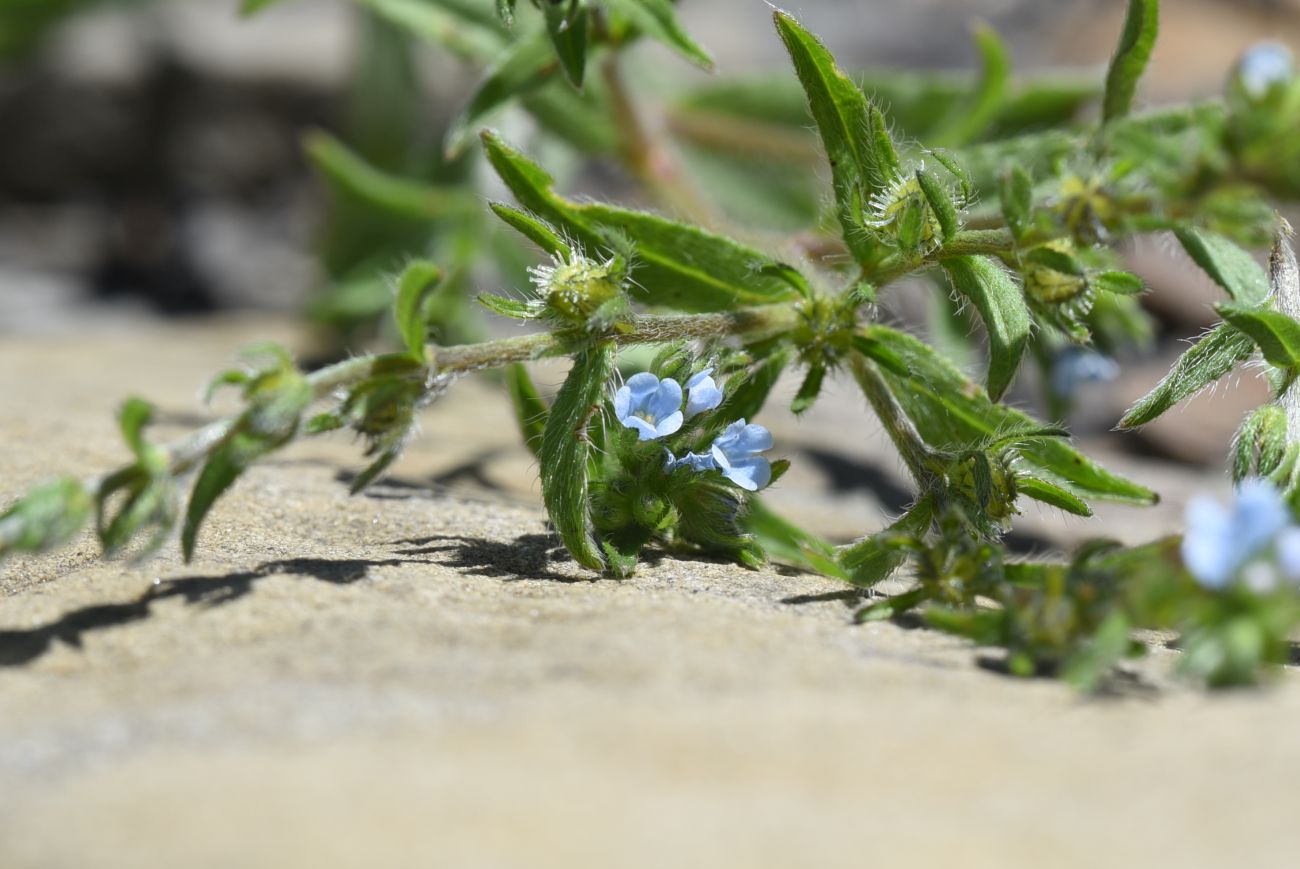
(134, 415)
(1227, 265)
(658, 20)
(1209, 359)
(566, 23)
(973, 115)
(1260, 443)
(464, 27)
(623, 548)
(676, 265)
(506, 12)
(1056, 260)
(1001, 305)
(526, 65)
(419, 279)
(538, 231)
(219, 473)
(872, 559)
(881, 354)
(747, 392)
(940, 203)
(1120, 283)
(786, 542)
(47, 516)
(953, 414)
(530, 411)
(892, 607)
(566, 449)
(1131, 55)
(1086, 669)
(850, 131)
(349, 174)
(1048, 493)
(1276, 334)
(809, 389)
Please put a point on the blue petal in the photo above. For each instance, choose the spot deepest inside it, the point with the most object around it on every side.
(1288, 554)
(700, 461)
(668, 425)
(1264, 65)
(754, 439)
(665, 400)
(1207, 550)
(644, 429)
(703, 393)
(750, 474)
(1259, 515)
(640, 386)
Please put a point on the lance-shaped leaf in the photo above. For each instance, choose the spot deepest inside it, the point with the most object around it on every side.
(1119, 283)
(566, 449)
(1221, 350)
(1275, 334)
(847, 127)
(566, 22)
(676, 265)
(658, 20)
(46, 517)
(940, 203)
(951, 413)
(1131, 55)
(467, 28)
(871, 560)
(1002, 307)
(418, 280)
(784, 541)
(973, 115)
(1227, 265)
(527, 64)
(530, 411)
(349, 174)
(538, 231)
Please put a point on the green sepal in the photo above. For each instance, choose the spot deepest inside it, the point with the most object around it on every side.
(675, 265)
(1141, 24)
(1050, 493)
(1227, 265)
(1260, 444)
(515, 309)
(530, 411)
(1119, 283)
(418, 281)
(566, 450)
(1221, 350)
(1001, 305)
(1275, 334)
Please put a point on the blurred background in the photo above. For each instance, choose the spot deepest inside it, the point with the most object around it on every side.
(164, 158)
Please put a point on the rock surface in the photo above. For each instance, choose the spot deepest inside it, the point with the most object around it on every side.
(416, 677)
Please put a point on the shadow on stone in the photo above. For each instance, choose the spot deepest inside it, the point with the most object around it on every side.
(473, 471)
(528, 556)
(18, 647)
(851, 598)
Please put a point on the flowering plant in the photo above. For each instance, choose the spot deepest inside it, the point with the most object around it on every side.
(990, 189)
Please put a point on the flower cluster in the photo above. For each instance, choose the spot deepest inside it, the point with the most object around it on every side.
(1255, 541)
(653, 409)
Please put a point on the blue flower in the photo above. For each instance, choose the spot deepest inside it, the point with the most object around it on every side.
(695, 461)
(651, 406)
(1074, 367)
(735, 452)
(702, 393)
(1264, 65)
(1219, 542)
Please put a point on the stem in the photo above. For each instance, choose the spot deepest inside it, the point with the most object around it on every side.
(965, 243)
(1284, 279)
(907, 440)
(187, 452)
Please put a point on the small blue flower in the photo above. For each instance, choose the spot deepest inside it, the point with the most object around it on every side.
(1219, 542)
(651, 406)
(1075, 366)
(702, 393)
(735, 452)
(1264, 65)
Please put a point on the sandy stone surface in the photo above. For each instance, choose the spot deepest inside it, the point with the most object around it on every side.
(417, 677)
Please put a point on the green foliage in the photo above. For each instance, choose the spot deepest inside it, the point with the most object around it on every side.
(1002, 308)
(1131, 55)
(1208, 360)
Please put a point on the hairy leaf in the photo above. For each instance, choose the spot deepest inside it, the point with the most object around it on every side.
(676, 265)
(530, 411)
(1227, 265)
(1001, 305)
(538, 231)
(940, 203)
(872, 559)
(566, 449)
(1049, 493)
(1131, 55)
(1120, 283)
(1276, 334)
(1221, 350)
(951, 413)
